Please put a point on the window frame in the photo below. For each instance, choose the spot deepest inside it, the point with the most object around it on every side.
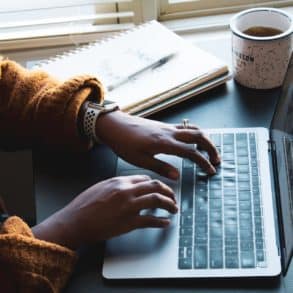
(192, 8)
(144, 10)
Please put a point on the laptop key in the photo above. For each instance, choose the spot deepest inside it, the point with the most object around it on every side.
(244, 195)
(186, 231)
(246, 245)
(258, 233)
(200, 257)
(187, 184)
(228, 156)
(231, 231)
(186, 220)
(185, 263)
(242, 152)
(188, 251)
(259, 244)
(247, 259)
(246, 233)
(254, 171)
(229, 192)
(216, 244)
(215, 203)
(242, 161)
(230, 202)
(260, 255)
(215, 231)
(231, 243)
(243, 168)
(244, 205)
(243, 177)
(215, 185)
(201, 231)
(215, 193)
(187, 164)
(185, 241)
(243, 185)
(231, 262)
(231, 251)
(228, 138)
(228, 148)
(216, 139)
(216, 258)
(241, 137)
(241, 143)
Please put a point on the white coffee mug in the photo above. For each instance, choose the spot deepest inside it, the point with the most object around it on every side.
(261, 62)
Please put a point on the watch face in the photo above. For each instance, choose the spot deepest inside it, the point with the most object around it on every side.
(107, 106)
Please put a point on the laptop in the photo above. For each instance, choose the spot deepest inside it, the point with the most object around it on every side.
(237, 223)
(17, 184)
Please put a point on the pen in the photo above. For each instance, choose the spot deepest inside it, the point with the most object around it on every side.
(153, 65)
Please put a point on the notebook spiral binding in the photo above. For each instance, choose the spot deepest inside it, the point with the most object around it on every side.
(90, 45)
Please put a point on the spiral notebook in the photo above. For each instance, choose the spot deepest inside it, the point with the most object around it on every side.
(186, 70)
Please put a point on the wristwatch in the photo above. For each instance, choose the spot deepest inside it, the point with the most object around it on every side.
(93, 111)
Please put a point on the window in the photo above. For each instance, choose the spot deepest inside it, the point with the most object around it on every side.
(30, 23)
(32, 19)
(170, 9)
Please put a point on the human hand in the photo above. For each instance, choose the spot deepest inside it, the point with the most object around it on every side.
(109, 208)
(138, 140)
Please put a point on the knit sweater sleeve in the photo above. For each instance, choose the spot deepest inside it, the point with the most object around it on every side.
(35, 108)
(32, 265)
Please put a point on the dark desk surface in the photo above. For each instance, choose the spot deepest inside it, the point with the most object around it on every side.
(61, 177)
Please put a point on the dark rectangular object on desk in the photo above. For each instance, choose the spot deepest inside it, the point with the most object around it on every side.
(17, 184)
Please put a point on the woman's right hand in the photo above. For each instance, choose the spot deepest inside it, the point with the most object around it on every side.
(109, 208)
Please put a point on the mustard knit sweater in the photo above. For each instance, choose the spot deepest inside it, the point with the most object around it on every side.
(37, 109)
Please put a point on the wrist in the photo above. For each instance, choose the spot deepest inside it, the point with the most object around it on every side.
(92, 116)
(56, 230)
(105, 124)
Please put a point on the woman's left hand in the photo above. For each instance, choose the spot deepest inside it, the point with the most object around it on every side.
(137, 140)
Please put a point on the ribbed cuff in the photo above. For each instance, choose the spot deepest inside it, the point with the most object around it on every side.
(27, 256)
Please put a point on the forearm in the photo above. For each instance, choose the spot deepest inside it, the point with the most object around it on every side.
(37, 109)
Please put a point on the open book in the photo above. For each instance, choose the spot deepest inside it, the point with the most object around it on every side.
(119, 59)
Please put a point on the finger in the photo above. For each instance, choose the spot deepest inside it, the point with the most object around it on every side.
(150, 222)
(158, 166)
(154, 201)
(186, 151)
(204, 143)
(190, 126)
(153, 186)
(137, 178)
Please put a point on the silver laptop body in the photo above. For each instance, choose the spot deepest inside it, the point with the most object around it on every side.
(237, 223)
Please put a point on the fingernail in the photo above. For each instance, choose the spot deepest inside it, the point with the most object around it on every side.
(174, 209)
(173, 175)
(166, 222)
(212, 170)
(217, 160)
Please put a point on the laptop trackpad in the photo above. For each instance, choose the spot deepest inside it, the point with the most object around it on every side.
(143, 241)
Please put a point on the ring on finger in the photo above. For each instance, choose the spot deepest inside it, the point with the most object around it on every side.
(185, 123)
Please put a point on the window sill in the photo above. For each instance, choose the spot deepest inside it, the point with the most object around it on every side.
(204, 23)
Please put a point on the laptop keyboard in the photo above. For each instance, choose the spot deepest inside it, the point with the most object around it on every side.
(221, 224)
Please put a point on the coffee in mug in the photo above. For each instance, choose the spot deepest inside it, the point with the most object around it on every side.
(261, 47)
(262, 31)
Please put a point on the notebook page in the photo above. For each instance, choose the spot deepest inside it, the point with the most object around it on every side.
(190, 67)
(115, 59)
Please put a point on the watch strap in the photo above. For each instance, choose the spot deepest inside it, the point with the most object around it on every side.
(93, 111)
